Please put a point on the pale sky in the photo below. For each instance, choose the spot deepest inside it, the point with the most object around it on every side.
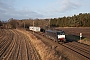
(25, 9)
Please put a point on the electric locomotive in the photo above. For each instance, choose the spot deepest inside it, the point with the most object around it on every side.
(57, 36)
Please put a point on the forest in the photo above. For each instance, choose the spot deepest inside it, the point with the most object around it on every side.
(80, 20)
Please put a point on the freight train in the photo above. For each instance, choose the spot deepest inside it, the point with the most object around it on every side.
(57, 36)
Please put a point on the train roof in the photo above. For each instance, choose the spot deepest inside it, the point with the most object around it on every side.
(54, 31)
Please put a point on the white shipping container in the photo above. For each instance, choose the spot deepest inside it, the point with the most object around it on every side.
(36, 29)
(31, 28)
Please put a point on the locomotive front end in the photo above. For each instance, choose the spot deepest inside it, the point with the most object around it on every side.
(61, 36)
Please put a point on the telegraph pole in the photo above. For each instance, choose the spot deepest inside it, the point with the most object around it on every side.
(24, 25)
(33, 27)
(49, 23)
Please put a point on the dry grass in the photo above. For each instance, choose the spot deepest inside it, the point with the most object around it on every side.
(45, 52)
(85, 41)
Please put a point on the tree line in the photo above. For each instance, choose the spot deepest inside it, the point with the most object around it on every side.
(81, 20)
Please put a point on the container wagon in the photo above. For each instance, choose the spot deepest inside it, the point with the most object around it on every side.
(36, 29)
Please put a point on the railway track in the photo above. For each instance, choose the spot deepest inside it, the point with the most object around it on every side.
(15, 45)
(80, 50)
(74, 46)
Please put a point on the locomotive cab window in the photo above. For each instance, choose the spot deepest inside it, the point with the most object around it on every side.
(61, 33)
